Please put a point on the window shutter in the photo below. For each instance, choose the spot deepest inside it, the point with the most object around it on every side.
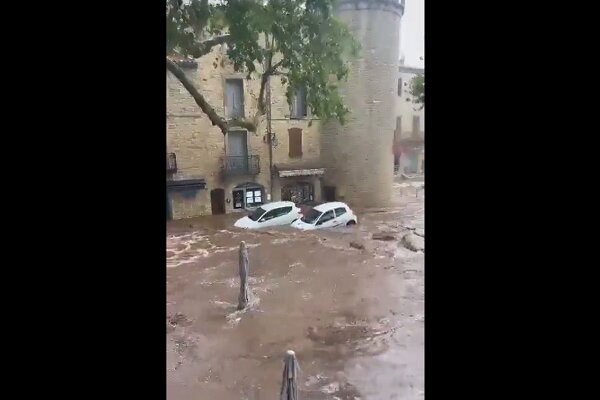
(295, 139)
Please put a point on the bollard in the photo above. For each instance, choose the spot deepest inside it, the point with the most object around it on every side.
(243, 270)
(289, 384)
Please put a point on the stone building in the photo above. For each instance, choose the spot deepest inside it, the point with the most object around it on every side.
(359, 157)
(409, 136)
(212, 173)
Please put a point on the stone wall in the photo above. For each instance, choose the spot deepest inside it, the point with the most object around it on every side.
(200, 148)
(358, 157)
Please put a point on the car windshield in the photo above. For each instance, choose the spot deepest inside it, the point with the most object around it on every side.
(311, 216)
(256, 214)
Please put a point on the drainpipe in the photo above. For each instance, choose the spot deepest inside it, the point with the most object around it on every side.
(270, 136)
(269, 132)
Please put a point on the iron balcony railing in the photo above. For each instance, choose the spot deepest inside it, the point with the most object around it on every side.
(171, 163)
(242, 165)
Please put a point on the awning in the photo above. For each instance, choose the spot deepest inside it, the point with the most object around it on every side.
(187, 184)
(301, 172)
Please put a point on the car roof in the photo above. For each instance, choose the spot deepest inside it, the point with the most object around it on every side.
(330, 205)
(277, 204)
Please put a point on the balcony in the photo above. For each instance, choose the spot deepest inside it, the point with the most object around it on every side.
(171, 163)
(242, 165)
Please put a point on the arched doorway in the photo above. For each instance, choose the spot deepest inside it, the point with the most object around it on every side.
(217, 201)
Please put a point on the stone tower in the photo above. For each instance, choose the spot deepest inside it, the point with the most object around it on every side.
(358, 156)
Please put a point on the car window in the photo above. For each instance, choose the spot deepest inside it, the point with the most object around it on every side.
(276, 212)
(284, 211)
(340, 211)
(256, 214)
(269, 215)
(328, 216)
(311, 216)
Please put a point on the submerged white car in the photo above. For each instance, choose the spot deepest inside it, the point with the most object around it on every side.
(327, 215)
(271, 214)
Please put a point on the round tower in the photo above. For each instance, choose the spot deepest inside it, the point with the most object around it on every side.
(358, 156)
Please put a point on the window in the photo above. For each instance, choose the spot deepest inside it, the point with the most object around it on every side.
(234, 98)
(328, 216)
(416, 124)
(253, 197)
(398, 131)
(295, 139)
(400, 87)
(299, 104)
(340, 211)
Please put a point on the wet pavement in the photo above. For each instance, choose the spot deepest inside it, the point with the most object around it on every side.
(354, 315)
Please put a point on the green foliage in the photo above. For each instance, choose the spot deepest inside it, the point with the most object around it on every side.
(417, 90)
(299, 40)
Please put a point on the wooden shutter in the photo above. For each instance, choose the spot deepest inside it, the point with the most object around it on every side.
(295, 138)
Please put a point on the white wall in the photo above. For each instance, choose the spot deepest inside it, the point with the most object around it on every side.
(407, 109)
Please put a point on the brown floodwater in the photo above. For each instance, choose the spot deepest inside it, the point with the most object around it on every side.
(354, 315)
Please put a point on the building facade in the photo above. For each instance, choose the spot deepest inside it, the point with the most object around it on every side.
(359, 156)
(211, 173)
(409, 135)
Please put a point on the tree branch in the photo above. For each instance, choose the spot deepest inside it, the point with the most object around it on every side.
(206, 46)
(214, 118)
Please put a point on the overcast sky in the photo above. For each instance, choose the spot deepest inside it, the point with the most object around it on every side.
(412, 33)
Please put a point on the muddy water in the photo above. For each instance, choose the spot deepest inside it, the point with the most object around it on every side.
(354, 316)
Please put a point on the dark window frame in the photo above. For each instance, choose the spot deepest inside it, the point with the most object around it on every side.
(297, 112)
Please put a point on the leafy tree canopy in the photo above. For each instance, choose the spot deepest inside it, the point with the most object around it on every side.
(299, 41)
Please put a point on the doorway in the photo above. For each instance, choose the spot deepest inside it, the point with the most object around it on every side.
(217, 201)
(299, 192)
(329, 192)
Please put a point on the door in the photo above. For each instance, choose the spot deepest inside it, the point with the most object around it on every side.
(341, 216)
(327, 220)
(299, 193)
(238, 198)
(413, 160)
(217, 201)
(329, 192)
(237, 150)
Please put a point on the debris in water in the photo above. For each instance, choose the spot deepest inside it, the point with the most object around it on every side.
(357, 246)
(383, 236)
(331, 388)
(413, 242)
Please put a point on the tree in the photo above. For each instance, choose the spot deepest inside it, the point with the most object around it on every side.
(417, 90)
(299, 41)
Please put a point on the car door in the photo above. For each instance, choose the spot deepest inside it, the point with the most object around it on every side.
(341, 216)
(327, 220)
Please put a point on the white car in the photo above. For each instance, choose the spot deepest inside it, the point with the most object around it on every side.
(271, 214)
(327, 215)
